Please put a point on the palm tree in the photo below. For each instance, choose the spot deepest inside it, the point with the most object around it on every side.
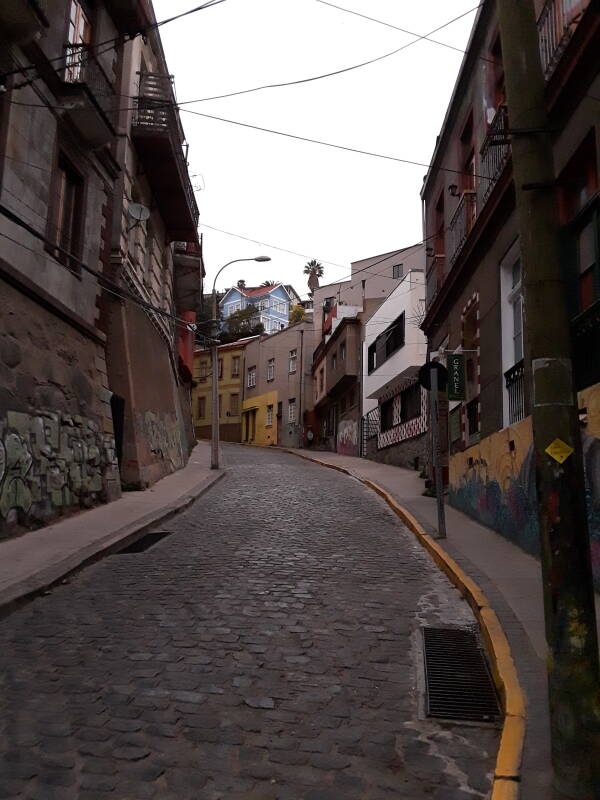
(314, 269)
(268, 283)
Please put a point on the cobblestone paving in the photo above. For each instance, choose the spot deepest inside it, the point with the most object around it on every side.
(267, 650)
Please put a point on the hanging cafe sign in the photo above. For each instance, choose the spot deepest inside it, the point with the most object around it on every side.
(456, 376)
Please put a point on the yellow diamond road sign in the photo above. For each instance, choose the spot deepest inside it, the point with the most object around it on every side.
(559, 450)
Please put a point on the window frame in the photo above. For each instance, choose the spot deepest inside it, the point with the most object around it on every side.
(291, 410)
(68, 252)
(202, 407)
(235, 366)
(270, 369)
(292, 361)
(269, 422)
(234, 409)
(251, 377)
(397, 271)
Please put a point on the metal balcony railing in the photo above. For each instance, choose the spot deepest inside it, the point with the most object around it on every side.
(462, 222)
(556, 24)
(157, 112)
(82, 67)
(494, 153)
(515, 384)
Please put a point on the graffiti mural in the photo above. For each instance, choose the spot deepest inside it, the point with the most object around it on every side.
(164, 438)
(50, 462)
(494, 482)
(347, 438)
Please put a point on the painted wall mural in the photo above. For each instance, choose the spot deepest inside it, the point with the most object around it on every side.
(50, 462)
(164, 438)
(494, 481)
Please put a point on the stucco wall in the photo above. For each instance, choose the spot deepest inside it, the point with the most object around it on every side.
(263, 434)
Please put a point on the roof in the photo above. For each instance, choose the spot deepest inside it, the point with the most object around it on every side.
(255, 291)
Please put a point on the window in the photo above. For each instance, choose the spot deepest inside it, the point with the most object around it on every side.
(269, 415)
(321, 379)
(68, 214)
(372, 357)
(251, 377)
(271, 369)
(292, 409)
(292, 361)
(397, 270)
(234, 307)
(516, 299)
(234, 405)
(330, 423)
(394, 336)
(334, 360)
(387, 414)
(343, 351)
(220, 368)
(588, 261)
(202, 375)
(201, 407)
(235, 366)
(78, 37)
(263, 305)
(410, 403)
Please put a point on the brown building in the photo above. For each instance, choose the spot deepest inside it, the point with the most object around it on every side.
(231, 373)
(277, 387)
(475, 301)
(64, 147)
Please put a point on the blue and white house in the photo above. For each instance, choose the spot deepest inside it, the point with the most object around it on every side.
(272, 304)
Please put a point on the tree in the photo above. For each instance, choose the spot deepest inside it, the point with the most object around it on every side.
(297, 314)
(240, 324)
(241, 284)
(314, 269)
(268, 283)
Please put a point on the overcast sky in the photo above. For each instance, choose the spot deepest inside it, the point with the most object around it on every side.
(323, 203)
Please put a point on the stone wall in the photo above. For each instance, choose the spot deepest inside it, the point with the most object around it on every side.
(56, 443)
(410, 453)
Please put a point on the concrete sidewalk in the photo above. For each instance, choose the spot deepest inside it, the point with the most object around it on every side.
(510, 578)
(35, 560)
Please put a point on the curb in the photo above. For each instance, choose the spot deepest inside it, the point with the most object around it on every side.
(26, 589)
(507, 773)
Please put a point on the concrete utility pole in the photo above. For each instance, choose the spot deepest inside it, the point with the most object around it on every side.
(214, 449)
(573, 676)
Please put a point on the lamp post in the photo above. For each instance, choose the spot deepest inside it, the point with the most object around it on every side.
(214, 458)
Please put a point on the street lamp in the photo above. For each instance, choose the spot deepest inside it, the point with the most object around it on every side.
(214, 458)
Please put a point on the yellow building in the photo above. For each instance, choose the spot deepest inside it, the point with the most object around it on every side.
(260, 419)
(231, 370)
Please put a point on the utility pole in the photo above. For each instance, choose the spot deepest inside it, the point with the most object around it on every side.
(573, 678)
(214, 448)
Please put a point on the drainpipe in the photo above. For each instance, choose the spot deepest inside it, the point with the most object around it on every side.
(301, 442)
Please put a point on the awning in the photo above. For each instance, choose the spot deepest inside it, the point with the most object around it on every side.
(396, 384)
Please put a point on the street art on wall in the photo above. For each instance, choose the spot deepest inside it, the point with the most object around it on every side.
(494, 482)
(164, 438)
(50, 462)
(347, 441)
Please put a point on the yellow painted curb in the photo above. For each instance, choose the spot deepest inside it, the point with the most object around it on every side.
(508, 760)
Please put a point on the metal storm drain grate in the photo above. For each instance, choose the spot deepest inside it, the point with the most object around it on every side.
(458, 680)
(145, 543)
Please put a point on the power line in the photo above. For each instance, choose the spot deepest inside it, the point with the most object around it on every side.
(266, 244)
(331, 144)
(411, 33)
(146, 29)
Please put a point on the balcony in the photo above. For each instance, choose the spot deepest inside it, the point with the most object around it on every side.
(494, 154)
(187, 277)
(585, 337)
(158, 137)
(461, 223)
(556, 25)
(435, 277)
(22, 20)
(90, 96)
(515, 385)
(130, 16)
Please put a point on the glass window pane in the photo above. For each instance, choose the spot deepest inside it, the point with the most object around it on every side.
(586, 247)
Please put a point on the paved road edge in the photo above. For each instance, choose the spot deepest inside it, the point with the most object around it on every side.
(112, 542)
(507, 773)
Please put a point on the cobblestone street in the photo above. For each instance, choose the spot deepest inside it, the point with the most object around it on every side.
(268, 650)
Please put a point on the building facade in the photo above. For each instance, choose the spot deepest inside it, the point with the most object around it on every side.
(231, 376)
(277, 387)
(63, 150)
(475, 299)
(395, 408)
(272, 304)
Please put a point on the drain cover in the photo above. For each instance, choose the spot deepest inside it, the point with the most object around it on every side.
(459, 684)
(145, 543)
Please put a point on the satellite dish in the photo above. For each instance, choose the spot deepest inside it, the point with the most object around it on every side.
(138, 212)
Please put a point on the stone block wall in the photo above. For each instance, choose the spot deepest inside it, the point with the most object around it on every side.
(56, 442)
